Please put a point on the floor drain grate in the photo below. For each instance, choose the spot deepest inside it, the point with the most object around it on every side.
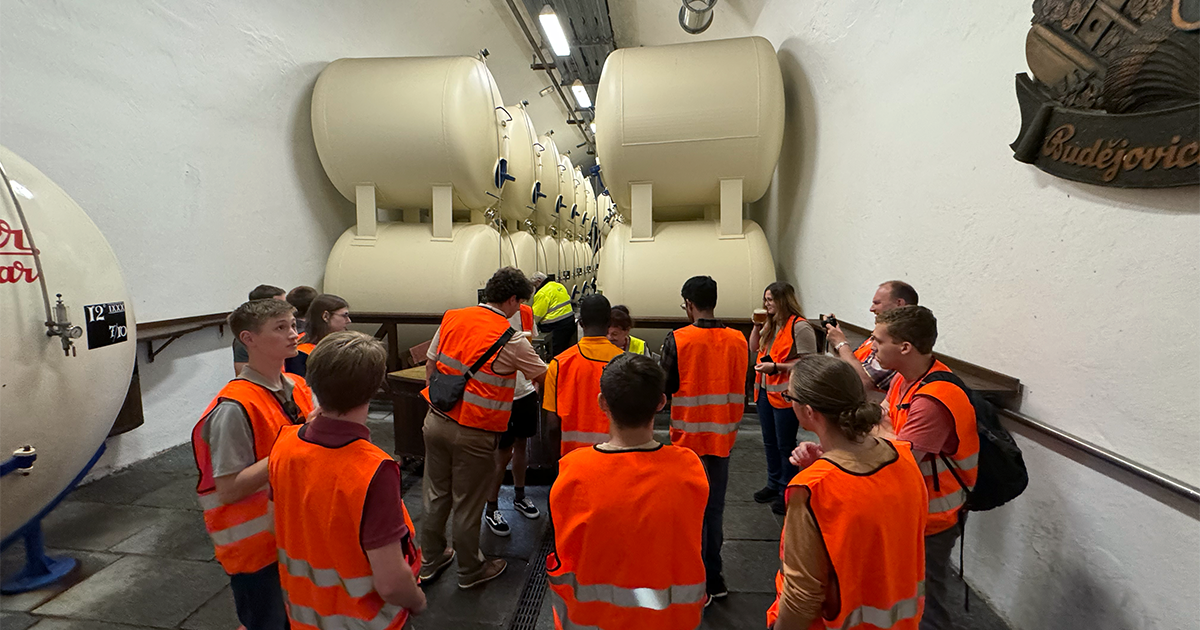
(530, 604)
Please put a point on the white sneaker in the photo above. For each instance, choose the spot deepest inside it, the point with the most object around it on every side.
(496, 523)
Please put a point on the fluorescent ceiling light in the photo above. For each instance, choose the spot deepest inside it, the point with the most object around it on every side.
(581, 95)
(554, 31)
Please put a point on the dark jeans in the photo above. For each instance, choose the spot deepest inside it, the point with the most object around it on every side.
(258, 598)
(779, 427)
(938, 576)
(563, 335)
(713, 533)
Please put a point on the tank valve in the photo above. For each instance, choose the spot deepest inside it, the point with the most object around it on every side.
(23, 458)
(61, 327)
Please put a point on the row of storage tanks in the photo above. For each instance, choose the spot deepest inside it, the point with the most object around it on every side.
(682, 118)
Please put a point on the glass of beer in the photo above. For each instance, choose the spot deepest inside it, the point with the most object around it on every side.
(760, 316)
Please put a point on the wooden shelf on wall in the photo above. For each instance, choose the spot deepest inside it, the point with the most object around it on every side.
(172, 329)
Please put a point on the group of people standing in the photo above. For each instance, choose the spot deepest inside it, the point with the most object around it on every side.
(869, 519)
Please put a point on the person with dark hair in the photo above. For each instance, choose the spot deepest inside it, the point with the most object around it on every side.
(260, 292)
(460, 444)
(852, 548)
(627, 516)
(777, 344)
(573, 381)
(552, 310)
(301, 298)
(891, 294)
(327, 314)
(329, 467)
(231, 443)
(620, 323)
(938, 420)
(706, 367)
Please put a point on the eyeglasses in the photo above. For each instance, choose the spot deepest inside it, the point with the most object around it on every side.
(788, 397)
(684, 305)
(346, 315)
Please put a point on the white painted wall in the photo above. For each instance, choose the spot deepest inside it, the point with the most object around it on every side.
(183, 130)
(896, 165)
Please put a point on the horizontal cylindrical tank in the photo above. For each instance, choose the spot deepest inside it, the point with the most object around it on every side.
(686, 116)
(546, 159)
(61, 405)
(634, 273)
(581, 204)
(519, 194)
(519, 249)
(407, 272)
(405, 124)
(550, 255)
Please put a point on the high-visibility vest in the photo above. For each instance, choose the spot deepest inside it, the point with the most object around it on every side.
(637, 346)
(627, 538)
(319, 495)
(577, 389)
(864, 350)
(526, 318)
(241, 531)
(781, 348)
(706, 410)
(946, 496)
(552, 303)
(873, 527)
(306, 348)
(464, 336)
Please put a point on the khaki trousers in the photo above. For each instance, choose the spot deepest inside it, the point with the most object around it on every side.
(460, 469)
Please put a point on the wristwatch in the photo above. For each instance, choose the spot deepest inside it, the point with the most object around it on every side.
(839, 346)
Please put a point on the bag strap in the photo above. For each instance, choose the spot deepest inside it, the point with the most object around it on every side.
(504, 339)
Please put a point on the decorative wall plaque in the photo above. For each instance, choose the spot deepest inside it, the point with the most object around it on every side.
(1114, 98)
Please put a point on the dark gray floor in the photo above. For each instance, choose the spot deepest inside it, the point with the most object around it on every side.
(146, 561)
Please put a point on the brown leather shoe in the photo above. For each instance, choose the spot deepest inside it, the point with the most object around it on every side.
(430, 572)
(491, 570)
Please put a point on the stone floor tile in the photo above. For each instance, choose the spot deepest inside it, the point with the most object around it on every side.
(217, 613)
(750, 565)
(180, 534)
(524, 539)
(16, 620)
(96, 526)
(739, 611)
(180, 494)
(751, 521)
(177, 459)
(140, 590)
(90, 563)
(491, 603)
(80, 624)
(743, 485)
(124, 487)
(545, 620)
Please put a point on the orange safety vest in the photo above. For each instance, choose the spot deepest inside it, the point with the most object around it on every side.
(306, 348)
(946, 496)
(614, 569)
(864, 350)
(241, 532)
(324, 571)
(873, 527)
(463, 337)
(526, 318)
(706, 410)
(781, 348)
(577, 400)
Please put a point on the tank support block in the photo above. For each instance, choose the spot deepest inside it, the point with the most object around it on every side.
(642, 209)
(443, 212)
(364, 201)
(731, 208)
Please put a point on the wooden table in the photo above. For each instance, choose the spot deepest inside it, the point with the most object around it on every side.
(408, 410)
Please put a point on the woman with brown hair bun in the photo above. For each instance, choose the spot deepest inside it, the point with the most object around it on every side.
(619, 325)
(777, 344)
(858, 504)
(327, 314)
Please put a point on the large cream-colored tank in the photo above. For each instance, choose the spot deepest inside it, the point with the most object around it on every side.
(686, 116)
(61, 405)
(519, 249)
(633, 273)
(549, 255)
(518, 197)
(407, 272)
(546, 159)
(581, 204)
(405, 124)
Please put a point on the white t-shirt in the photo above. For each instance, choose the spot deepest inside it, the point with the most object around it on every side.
(524, 386)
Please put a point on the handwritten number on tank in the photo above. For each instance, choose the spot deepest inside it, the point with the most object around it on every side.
(106, 324)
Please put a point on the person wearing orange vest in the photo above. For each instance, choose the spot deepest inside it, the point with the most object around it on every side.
(852, 547)
(627, 516)
(938, 420)
(776, 346)
(573, 381)
(522, 425)
(231, 443)
(706, 367)
(327, 314)
(346, 549)
(891, 294)
(460, 444)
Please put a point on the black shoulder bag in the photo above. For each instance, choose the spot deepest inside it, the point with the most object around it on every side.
(446, 390)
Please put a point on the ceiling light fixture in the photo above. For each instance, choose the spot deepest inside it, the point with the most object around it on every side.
(546, 90)
(554, 31)
(581, 95)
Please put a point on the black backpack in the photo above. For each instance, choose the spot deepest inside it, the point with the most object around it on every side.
(1001, 474)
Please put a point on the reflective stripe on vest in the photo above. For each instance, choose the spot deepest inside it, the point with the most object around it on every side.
(775, 387)
(561, 620)
(584, 437)
(354, 587)
(487, 403)
(241, 531)
(881, 618)
(651, 598)
(308, 616)
(720, 428)
(481, 376)
(708, 399)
